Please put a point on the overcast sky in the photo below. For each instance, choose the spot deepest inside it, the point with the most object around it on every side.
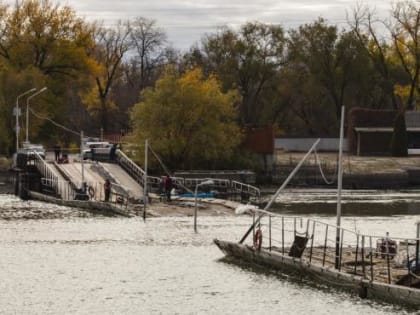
(186, 21)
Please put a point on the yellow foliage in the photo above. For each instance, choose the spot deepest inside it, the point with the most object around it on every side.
(187, 119)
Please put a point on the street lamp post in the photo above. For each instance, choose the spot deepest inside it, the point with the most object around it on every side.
(27, 111)
(207, 182)
(17, 115)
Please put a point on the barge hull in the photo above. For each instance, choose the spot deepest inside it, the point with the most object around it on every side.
(404, 296)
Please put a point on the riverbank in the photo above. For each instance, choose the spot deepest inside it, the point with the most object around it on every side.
(13, 208)
(359, 172)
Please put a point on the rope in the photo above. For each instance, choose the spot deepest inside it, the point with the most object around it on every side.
(53, 122)
(317, 160)
(166, 170)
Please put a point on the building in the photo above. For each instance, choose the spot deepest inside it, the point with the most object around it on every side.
(369, 131)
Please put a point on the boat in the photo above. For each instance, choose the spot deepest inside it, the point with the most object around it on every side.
(373, 266)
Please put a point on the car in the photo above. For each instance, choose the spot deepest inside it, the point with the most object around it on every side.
(27, 153)
(98, 148)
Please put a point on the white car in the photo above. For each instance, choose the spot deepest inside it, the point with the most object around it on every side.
(99, 148)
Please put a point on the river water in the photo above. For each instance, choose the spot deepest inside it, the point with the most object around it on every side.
(93, 264)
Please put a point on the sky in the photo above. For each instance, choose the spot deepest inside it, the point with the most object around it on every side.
(186, 21)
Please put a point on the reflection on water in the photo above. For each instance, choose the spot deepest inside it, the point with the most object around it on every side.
(105, 265)
(350, 209)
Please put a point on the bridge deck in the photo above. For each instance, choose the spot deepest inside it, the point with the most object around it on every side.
(122, 178)
(91, 177)
(95, 175)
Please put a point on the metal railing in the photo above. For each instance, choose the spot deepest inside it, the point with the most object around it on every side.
(135, 171)
(64, 190)
(246, 188)
(138, 174)
(47, 173)
(375, 258)
(95, 191)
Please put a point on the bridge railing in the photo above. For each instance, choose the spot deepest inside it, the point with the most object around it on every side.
(49, 180)
(246, 188)
(64, 190)
(47, 173)
(373, 257)
(138, 174)
(134, 170)
(95, 191)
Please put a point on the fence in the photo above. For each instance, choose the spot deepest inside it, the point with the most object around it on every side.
(376, 258)
(227, 186)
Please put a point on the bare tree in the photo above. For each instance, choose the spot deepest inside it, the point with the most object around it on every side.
(364, 25)
(112, 45)
(405, 32)
(147, 40)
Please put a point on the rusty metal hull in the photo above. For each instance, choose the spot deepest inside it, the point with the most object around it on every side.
(390, 293)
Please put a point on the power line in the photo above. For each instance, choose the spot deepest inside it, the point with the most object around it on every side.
(54, 123)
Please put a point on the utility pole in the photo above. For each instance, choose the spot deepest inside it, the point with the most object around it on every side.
(81, 161)
(17, 113)
(339, 188)
(145, 178)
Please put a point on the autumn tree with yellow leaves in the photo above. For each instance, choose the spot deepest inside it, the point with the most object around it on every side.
(188, 120)
(42, 44)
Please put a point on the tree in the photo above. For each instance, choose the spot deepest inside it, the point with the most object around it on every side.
(403, 52)
(111, 46)
(187, 119)
(46, 36)
(405, 32)
(147, 40)
(399, 141)
(247, 60)
(42, 44)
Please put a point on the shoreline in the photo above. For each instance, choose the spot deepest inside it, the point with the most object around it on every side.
(13, 208)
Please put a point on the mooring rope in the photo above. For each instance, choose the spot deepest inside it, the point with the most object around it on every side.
(317, 160)
(166, 170)
(53, 122)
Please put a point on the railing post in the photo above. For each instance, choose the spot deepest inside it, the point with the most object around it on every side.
(269, 231)
(371, 258)
(387, 261)
(417, 245)
(282, 235)
(307, 228)
(341, 249)
(363, 257)
(408, 258)
(253, 224)
(325, 245)
(357, 250)
(312, 241)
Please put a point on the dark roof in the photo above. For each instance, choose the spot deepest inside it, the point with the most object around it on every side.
(363, 117)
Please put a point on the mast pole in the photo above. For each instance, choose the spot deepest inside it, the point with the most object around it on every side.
(274, 197)
(146, 145)
(339, 188)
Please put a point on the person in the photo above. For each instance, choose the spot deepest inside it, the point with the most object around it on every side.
(112, 152)
(57, 152)
(258, 238)
(107, 189)
(167, 184)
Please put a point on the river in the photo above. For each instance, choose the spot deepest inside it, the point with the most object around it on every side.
(93, 264)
